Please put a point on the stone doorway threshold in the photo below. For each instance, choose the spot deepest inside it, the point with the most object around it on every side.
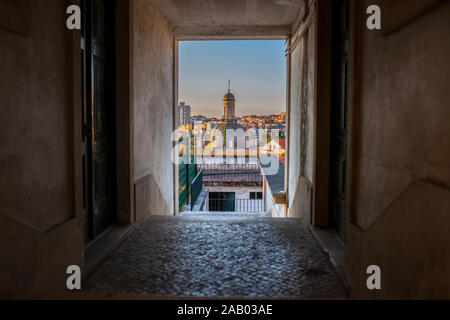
(333, 247)
(104, 245)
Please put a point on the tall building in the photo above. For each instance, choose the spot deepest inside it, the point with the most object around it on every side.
(184, 114)
(187, 114)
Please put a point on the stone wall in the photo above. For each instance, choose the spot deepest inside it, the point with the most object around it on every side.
(39, 227)
(36, 129)
(401, 175)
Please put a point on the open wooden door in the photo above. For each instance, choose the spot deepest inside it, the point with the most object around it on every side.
(339, 115)
(99, 130)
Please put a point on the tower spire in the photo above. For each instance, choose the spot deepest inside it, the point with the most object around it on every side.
(229, 85)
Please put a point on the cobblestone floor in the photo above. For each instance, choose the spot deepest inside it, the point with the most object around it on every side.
(218, 256)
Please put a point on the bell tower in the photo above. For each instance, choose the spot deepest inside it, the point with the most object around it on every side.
(229, 105)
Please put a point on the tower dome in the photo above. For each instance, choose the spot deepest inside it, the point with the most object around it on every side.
(228, 97)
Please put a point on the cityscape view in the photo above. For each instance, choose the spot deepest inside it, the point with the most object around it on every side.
(217, 173)
(229, 162)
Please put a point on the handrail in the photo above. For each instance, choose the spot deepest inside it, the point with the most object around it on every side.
(236, 205)
(196, 188)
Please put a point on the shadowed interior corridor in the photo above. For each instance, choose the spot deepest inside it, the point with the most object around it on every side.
(87, 161)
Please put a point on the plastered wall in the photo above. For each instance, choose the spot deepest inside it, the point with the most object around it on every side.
(153, 102)
(302, 123)
(276, 210)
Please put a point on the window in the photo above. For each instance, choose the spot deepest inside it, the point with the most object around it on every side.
(256, 195)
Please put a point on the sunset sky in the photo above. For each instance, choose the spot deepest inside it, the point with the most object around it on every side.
(257, 70)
